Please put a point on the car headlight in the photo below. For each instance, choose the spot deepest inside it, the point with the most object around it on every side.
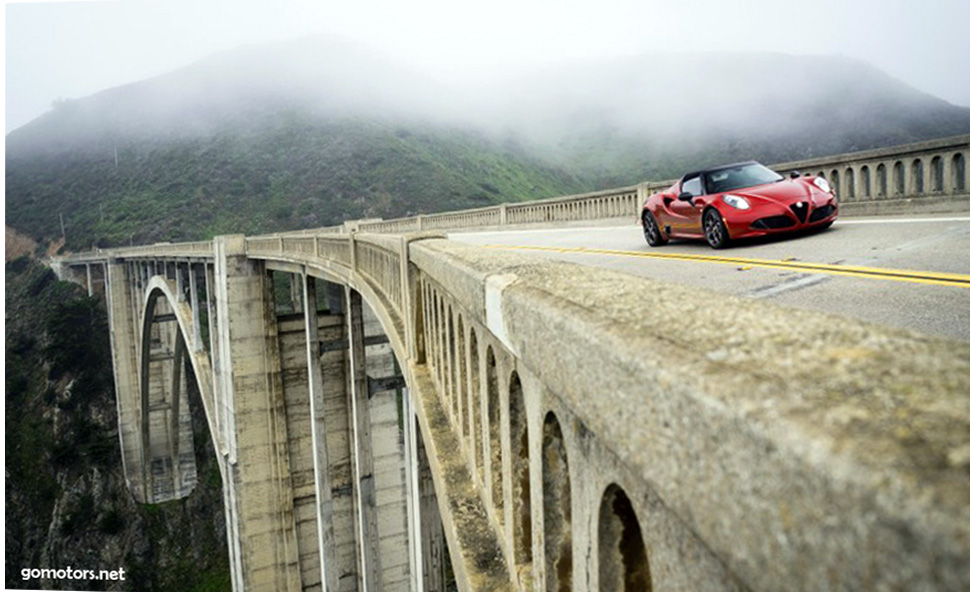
(736, 201)
(822, 184)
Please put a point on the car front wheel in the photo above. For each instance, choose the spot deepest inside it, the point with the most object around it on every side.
(652, 232)
(715, 231)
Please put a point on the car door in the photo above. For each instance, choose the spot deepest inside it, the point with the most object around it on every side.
(685, 215)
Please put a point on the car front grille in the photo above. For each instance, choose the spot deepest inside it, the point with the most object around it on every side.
(800, 209)
(822, 213)
(773, 223)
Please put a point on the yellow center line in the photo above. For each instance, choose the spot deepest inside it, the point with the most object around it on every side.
(900, 275)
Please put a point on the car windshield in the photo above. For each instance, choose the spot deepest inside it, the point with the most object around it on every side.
(736, 177)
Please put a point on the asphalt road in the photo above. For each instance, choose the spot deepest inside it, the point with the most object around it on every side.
(912, 273)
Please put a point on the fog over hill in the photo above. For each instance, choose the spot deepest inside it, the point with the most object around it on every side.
(312, 131)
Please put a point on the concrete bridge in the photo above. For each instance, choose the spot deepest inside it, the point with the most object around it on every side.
(392, 410)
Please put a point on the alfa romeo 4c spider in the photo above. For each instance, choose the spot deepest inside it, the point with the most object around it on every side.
(742, 200)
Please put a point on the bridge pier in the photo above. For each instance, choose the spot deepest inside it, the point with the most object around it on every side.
(249, 386)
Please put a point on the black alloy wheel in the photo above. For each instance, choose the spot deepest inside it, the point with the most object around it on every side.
(715, 231)
(651, 231)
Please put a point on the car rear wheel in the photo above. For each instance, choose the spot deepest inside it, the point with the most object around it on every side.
(715, 231)
(651, 231)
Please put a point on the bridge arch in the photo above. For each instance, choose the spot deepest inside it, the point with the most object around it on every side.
(166, 469)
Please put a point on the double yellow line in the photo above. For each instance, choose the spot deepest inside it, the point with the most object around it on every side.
(956, 280)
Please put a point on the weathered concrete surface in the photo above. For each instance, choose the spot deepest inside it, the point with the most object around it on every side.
(476, 554)
(808, 452)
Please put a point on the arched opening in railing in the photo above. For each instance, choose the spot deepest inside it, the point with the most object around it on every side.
(866, 182)
(916, 174)
(881, 181)
(431, 330)
(959, 168)
(556, 508)
(462, 386)
(452, 371)
(476, 405)
(494, 431)
(835, 182)
(850, 183)
(936, 174)
(623, 564)
(442, 365)
(899, 179)
(521, 483)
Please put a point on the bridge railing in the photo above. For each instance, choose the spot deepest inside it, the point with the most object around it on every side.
(378, 258)
(623, 202)
(935, 170)
(932, 169)
(375, 256)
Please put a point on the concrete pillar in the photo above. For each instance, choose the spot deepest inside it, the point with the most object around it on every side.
(250, 390)
(412, 480)
(179, 283)
(299, 343)
(296, 293)
(949, 187)
(362, 457)
(197, 345)
(122, 324)
(318, 435)
(337, 436)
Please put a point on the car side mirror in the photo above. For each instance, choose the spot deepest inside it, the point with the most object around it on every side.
(685, 196)
(794, 174)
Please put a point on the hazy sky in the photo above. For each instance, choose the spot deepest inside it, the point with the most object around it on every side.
(74, 49)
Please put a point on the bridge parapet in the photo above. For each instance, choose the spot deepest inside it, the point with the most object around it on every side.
(789, 449)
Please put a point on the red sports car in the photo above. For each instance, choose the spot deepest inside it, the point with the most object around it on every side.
(735, 201)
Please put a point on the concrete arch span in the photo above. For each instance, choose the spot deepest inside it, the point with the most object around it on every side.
(166, 467)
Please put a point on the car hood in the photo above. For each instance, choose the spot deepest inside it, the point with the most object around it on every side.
(784, 193)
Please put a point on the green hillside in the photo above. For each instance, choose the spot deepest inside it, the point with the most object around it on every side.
(302, 172)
